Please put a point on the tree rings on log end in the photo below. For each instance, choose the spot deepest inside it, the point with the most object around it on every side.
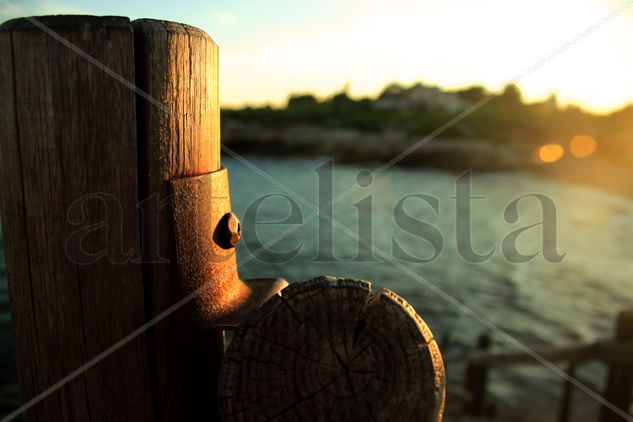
(330, 349)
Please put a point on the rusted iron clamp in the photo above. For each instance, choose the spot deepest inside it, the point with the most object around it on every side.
(206, 234)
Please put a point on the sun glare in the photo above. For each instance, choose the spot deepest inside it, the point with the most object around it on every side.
(582, 146)
(549, 153)
(379, 42)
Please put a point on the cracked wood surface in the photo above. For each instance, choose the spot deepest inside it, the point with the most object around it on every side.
(177, 65)
(69, 130)
(69, 215)
(330, 349)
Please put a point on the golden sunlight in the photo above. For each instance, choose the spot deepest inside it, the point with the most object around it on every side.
(549, 153)
(582, 146)
(308, 58)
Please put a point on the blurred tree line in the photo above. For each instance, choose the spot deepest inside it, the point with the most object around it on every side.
(419, 110)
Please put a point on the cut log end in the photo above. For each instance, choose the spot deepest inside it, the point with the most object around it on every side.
(330, 349)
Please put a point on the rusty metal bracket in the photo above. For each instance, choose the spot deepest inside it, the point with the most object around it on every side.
(206, 235)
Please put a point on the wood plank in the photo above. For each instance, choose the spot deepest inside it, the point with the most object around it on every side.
(76, 138)
(179, 136)
(607, 351)
(14, 225)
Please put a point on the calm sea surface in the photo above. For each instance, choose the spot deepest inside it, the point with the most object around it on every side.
(539, 303)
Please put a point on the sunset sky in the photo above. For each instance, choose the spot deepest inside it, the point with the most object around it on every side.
(270, 49)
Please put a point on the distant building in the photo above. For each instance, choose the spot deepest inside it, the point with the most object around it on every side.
(395, 97)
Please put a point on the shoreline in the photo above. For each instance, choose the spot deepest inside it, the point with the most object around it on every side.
(455, 155)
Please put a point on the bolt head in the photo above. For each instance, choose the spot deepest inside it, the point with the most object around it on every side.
(235, 229)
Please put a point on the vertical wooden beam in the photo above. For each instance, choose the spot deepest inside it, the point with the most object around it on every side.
(179, 134)
(476, 380)
(619, 386)
(70, 218)
(568, 388)
(14, 224)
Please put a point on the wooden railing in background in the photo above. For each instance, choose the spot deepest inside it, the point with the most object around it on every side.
(616, 353)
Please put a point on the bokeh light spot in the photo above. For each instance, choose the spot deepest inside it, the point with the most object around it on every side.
(582, 146)
(549, 153)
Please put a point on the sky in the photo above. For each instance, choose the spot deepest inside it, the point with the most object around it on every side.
(269, 49)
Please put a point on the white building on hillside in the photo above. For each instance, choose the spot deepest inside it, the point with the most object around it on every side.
(395, 97)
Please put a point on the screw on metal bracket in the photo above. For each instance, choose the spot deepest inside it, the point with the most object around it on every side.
(206, 235)
(234, 228)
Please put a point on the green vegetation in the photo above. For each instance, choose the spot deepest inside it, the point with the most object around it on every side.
(419, 110)
(338, 111)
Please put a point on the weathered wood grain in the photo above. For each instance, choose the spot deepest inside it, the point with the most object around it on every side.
(179, 136)
(329, 349)
(68, 135)
(14, 224)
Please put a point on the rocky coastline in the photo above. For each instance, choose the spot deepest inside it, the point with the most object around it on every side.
(348, 145)
(352, 145)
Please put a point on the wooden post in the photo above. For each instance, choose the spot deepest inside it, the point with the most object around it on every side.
(85, 266)
(180, 136)
(476, 380)
(568, 389)
(69, 216)
(619, 387)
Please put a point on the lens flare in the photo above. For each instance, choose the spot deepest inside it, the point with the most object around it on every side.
(582, 146)
(548, 153)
